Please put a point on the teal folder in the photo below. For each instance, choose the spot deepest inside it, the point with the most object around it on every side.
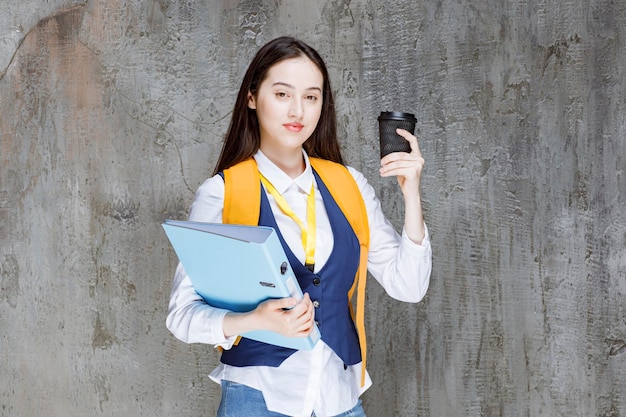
(236, 267)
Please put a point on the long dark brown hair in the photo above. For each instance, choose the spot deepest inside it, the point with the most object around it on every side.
(243, 137)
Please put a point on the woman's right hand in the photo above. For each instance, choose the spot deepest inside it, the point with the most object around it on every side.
(286, 316)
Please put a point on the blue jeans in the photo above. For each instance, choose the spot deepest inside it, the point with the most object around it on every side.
(240, 400)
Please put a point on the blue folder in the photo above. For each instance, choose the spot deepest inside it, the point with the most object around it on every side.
(236, 267)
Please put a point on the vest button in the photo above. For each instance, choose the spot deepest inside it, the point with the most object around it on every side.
(317, 281)
(316, 303)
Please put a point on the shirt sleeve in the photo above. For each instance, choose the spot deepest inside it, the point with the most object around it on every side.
(190, 318)
(400, 265)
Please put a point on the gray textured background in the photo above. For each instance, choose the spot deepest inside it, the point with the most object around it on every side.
(112, 113)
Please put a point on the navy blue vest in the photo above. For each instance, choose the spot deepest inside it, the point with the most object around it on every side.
(329, 287)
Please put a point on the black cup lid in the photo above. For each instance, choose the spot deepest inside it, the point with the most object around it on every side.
(397, 115)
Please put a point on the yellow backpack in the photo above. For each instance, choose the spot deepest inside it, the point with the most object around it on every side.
(242, 187)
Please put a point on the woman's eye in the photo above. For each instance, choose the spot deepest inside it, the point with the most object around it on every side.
(311, 98)
(281, 94)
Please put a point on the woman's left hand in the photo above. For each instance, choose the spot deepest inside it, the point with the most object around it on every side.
(407, 167)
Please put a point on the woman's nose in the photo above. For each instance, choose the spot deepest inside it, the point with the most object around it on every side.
(296, 109)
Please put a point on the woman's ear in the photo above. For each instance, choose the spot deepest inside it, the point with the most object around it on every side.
(251, 101)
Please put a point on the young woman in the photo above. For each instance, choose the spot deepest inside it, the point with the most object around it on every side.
(284, 127)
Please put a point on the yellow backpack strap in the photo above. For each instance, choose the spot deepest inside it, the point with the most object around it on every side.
(242, 194)
(346, 193)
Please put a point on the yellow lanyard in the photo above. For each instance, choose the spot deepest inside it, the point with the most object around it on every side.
(308, 232)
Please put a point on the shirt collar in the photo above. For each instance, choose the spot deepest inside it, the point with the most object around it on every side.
(279, 179)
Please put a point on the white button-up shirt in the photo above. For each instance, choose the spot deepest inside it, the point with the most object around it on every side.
(313, 380)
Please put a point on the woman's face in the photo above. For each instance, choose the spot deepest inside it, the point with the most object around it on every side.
(288, 105)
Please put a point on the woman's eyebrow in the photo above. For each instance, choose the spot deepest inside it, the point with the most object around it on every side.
(293, 87)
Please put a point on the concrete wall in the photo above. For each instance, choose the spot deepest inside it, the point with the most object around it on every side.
(112, 113)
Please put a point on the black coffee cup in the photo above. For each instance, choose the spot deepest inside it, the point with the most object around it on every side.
(390, 141)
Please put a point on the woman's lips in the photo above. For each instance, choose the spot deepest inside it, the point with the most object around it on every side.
(294, 127)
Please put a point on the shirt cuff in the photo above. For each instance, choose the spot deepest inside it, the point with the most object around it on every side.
(419, 247)
(228, 342)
